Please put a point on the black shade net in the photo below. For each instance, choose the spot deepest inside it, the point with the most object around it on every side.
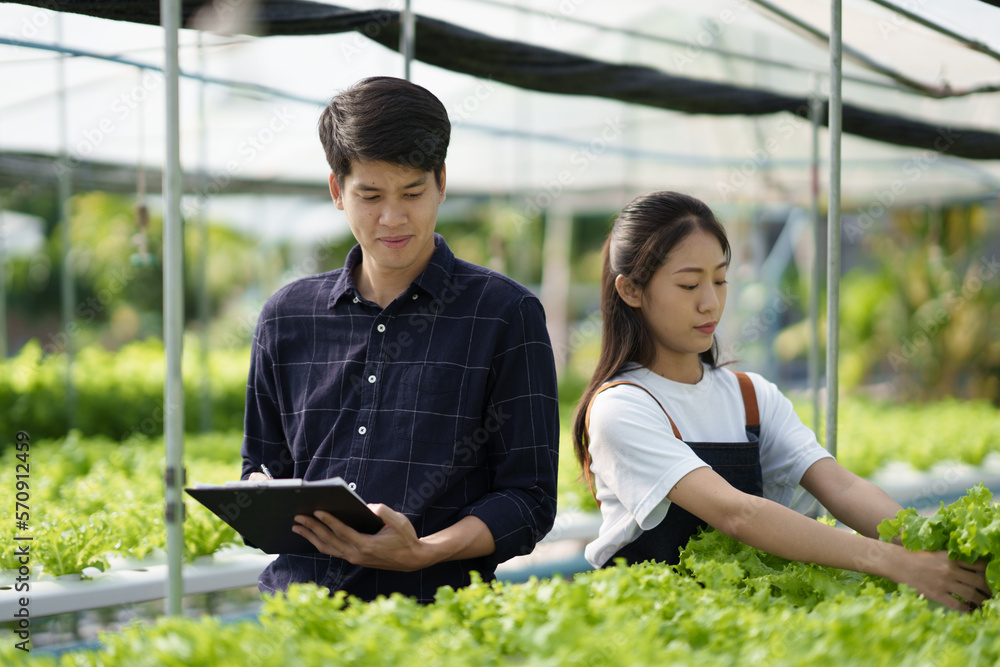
(533, 67)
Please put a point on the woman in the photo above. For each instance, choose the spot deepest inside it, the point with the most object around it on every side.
(669, 440)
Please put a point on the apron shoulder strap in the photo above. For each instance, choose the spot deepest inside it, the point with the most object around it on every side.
(749, 402)
(586, 421)
(677, 434)
(749, 406)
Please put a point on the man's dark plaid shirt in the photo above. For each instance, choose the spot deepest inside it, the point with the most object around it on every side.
(441, 406)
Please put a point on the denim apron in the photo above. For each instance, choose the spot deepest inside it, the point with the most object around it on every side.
(736, 462)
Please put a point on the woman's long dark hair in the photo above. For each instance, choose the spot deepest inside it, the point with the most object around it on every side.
(644, 234)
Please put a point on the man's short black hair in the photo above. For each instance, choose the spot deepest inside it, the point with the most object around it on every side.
(385, 119)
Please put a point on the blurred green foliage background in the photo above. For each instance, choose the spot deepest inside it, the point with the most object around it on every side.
(920, 307)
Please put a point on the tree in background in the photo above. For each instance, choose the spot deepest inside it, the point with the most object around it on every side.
(923, 312)
(118, 272)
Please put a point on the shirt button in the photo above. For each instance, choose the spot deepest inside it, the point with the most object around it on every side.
(362, 430)
(415, 297)
(380, 328)
(371, 378)
(352, 486)
(357, 300)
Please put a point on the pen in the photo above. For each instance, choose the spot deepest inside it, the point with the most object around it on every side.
(266, 471)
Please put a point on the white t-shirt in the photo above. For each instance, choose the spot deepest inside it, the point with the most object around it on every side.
(637, 460)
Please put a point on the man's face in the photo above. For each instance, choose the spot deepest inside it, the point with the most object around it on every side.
(392, 211)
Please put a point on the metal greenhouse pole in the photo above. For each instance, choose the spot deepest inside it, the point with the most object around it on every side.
(66, 287)
(833, 229)
(205, 404)
(173, 312)
(407, 37)
(3, 288)
(815, 110)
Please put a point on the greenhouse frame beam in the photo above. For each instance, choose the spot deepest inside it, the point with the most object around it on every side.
(71, 51)
(973, 44)
(936, 92)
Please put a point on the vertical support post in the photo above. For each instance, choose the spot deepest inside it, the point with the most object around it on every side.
(815, 109)
(556, 253)
(833, 230)
(3, 287)
(67, 292)
(205, 404)
(173, 312)
(407, 38)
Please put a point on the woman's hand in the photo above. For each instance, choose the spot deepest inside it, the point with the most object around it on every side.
(940, 578)
(780, 531)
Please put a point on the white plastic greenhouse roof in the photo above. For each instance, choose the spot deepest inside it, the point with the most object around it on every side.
(511, 140)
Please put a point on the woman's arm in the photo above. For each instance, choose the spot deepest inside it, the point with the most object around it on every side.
(773, 528)
(853, 500)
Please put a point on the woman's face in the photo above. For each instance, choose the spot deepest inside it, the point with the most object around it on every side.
(682, 303)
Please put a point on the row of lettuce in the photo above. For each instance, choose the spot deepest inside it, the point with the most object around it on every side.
(119, 395)
(725, 604)
(100, 498)
(96, 500)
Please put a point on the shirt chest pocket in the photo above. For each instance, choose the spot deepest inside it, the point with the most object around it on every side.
(431, 406)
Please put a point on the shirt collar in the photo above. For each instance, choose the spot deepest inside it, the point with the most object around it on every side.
(345, 285)
(434, 279)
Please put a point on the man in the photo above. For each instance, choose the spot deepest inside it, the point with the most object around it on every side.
(426, 382)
